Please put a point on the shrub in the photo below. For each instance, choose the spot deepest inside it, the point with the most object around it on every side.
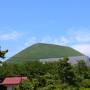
(85, 83)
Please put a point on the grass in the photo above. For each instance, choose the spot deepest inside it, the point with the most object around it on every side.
(43, 51)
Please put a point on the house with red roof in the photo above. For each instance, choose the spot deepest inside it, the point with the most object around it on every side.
(12, 81)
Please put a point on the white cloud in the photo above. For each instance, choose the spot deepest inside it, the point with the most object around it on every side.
(78, 39)
(79, 35)
(31, 41)
(10, 36)
(64, 40)
(84, 48)
(47, 39)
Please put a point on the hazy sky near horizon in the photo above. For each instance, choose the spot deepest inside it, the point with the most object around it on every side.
(62, 22)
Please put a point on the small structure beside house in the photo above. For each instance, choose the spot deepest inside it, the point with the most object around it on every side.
(12, 81)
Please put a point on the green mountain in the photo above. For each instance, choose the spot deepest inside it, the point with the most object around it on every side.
(44, 51)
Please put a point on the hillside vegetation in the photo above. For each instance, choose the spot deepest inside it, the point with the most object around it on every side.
(42, 51)
(59, 75)
(56, 75)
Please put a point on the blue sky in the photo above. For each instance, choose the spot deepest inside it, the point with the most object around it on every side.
(62, 22)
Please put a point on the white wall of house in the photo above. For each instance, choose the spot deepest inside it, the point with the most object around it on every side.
(9, 87)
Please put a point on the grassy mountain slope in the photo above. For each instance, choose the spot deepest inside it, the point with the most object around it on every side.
(42, 51)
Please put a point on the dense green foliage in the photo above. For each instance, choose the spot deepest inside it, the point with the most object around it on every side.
(41, 51)
(59, 75)
(65, 72)
(2, 53)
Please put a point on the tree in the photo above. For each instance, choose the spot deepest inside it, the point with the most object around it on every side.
(82, 69)
(25, 85)
(65, 72)
(2, 53)
(85, 83)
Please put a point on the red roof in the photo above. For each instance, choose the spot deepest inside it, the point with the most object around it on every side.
(13, 80)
